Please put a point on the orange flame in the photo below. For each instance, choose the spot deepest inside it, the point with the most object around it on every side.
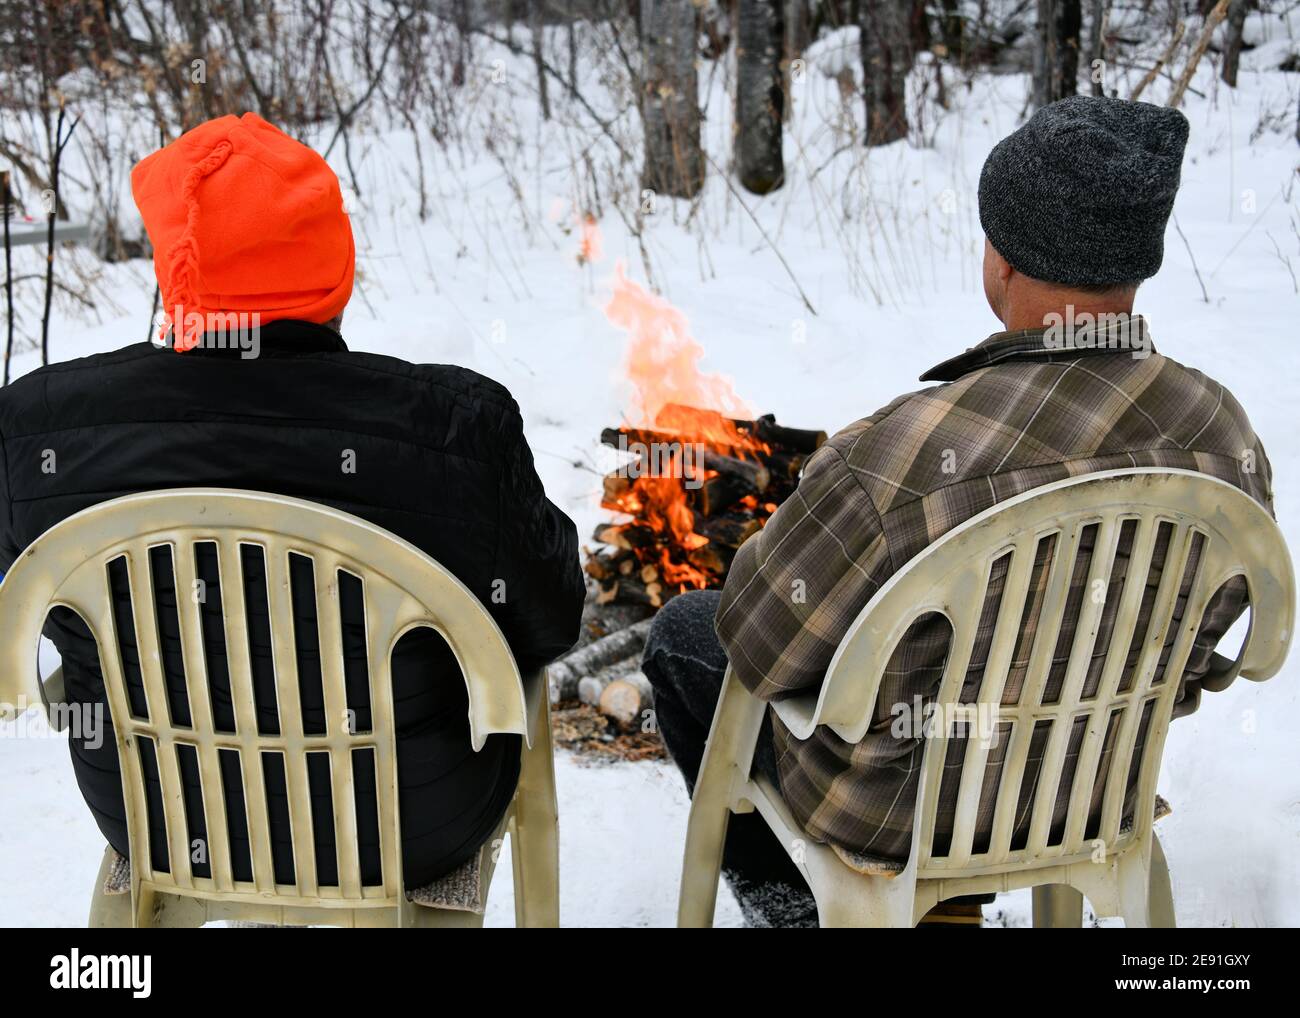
(673, 396)
(591, 248)
(663, 356)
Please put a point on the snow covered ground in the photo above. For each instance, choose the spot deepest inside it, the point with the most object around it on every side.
(887, 249)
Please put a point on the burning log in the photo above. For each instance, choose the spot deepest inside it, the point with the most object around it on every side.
(753, 474)
(565, 674)
(717, 494)
(633, 590)
(731, 530)
(616, 486)
(712, 558)
(757, 476)
(604, 565)
(766, 430)
(629, 537)
(786, 465)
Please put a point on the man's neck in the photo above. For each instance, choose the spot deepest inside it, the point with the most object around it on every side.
(1031, 310)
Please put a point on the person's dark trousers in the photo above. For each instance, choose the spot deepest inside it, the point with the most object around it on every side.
(685, 664)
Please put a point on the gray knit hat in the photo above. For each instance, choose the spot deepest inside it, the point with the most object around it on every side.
(1080, 194)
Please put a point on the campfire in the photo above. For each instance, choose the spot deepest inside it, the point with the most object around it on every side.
(699, 474)
(698, 485)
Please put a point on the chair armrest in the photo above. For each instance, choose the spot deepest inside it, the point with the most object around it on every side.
(54, 692)
(1220, 674)
(537, 697)
(797, 713)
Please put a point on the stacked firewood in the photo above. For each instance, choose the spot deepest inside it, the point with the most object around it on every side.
(737, 481)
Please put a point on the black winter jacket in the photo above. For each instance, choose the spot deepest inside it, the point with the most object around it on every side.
(432, 453)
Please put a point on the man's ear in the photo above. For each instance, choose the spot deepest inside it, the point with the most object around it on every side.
(1001, 267)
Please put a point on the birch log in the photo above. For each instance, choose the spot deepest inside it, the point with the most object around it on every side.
(625, 701)
(568, 671)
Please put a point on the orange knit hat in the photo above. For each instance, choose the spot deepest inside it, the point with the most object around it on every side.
(245, 219)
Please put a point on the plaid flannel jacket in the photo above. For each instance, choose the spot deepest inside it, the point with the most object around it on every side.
(1017, 412)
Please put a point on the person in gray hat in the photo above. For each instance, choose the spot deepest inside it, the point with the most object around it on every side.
(1074, 207)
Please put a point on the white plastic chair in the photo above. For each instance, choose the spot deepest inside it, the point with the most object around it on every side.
(1122, 869)
(403, 588)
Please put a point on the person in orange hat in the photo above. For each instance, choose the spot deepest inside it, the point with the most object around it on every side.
(250, 385)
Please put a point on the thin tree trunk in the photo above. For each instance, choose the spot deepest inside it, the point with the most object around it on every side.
(1056, 58)
(918, 28)
(573, 57)
(9, 277)
(760, 95)
(886, 60)
(1097, 45)
(953, 32)
(56, 156)
(464, 31)
(1232, 51)
(798, 27)
(539, 61)
(798, 36)
(670, 101)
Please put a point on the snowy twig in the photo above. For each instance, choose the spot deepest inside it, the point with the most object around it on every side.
(1165, 57)
(775, 250)
(1211, 23)
(1204, 292)
(603, 124)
